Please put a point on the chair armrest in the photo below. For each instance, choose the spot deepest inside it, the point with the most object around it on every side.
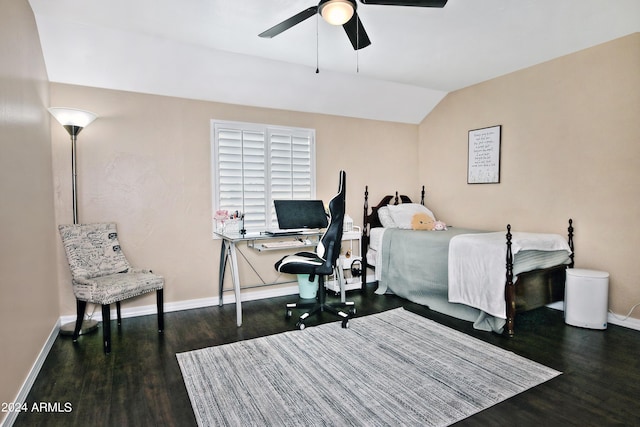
(327, 267)
(82, 281)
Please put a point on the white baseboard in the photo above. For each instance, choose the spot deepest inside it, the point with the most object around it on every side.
(190, 304)
(558, 305)
(33, 373)
(631, 323)
(612, 318)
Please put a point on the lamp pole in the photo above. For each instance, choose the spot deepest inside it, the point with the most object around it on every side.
(74, 131)
(74, 121)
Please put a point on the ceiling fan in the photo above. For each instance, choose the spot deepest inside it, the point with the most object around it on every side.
(343, 12)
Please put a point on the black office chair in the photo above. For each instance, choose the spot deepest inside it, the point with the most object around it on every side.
(322, 262)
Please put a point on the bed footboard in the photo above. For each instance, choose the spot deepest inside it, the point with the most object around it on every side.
(535, 288)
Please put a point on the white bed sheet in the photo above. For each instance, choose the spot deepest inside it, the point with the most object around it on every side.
(374, 253)
(477, 267)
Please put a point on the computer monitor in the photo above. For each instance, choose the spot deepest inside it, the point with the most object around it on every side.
(300, 214)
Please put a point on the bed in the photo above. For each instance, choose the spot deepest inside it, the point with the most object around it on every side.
(485, 277)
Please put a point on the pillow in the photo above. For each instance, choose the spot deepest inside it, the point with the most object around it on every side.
(403, 214)
(422, 221)
(385, 218)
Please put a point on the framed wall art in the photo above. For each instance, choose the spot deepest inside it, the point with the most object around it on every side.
(483, 165)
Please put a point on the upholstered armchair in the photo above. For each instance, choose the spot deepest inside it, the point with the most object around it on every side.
(102, 275)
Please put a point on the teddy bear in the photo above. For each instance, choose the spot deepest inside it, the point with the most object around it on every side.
(439, 226)
(422, 221)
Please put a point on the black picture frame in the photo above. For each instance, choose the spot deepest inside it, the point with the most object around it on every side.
(483, 160)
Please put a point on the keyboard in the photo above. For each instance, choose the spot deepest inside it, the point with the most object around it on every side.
(284, 244)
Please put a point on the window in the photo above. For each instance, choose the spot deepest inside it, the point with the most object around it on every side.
(254, 164)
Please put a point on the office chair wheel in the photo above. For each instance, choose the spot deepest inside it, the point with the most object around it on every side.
(352, 311)
(300, 325)
(345, 324)
(288, 314)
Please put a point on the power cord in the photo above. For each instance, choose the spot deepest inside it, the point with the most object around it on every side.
(628, 314)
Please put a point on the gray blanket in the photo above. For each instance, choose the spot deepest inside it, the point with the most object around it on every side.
(415, 267)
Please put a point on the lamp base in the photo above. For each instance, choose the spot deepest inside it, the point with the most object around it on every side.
(88, 326)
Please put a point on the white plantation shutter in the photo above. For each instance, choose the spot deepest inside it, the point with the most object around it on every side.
(291, 166)
(253, 164)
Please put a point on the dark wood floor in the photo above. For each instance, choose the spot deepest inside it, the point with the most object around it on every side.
(140, 384)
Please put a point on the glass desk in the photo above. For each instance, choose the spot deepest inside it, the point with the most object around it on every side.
(259, 241)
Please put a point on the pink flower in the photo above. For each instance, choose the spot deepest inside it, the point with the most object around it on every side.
(221, 215)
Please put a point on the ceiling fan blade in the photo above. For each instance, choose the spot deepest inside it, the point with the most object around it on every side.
(356, 32)
(288, 23)
(417, 3)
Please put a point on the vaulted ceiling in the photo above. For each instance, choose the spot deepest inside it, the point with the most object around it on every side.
(210, 49)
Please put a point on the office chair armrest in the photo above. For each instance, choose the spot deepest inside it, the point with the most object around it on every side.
(327, 267)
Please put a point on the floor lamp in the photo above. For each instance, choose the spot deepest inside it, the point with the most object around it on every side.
(74, 120)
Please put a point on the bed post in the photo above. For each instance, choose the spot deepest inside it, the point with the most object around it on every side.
(422, 196)
(396, 201)
(570, 232)
(364, 242)
(510, 290)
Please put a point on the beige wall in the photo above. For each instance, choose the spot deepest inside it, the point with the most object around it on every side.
(570, 148)
(28, 286)
(145, 164)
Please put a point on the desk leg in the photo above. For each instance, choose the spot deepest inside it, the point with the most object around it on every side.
(235, 277)
(223, 263)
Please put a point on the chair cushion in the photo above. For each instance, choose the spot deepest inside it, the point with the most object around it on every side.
(116, 287)
(93, 250)
(301, 263)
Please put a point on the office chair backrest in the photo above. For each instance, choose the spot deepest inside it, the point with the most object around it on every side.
(329, 246)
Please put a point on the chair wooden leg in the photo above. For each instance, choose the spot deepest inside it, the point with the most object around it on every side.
(81, 306)
(160, 298)
(106, 328)
(118, 313)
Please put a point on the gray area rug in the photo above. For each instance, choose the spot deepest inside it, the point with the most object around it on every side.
(392, 368)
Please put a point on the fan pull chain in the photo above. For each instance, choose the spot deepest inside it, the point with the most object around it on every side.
(317, 45)
(357, 45)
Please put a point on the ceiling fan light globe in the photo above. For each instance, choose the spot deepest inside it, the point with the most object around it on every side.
(337, 12)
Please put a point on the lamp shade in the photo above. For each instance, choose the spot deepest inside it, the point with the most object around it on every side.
(337, 12)
(73, 116)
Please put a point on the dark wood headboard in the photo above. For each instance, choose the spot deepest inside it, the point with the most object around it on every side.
(371, 220)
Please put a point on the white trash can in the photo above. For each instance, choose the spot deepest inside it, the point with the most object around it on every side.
(586, 298)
